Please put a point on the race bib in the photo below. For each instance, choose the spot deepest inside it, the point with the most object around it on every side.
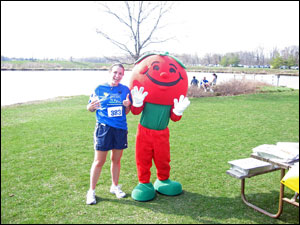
(114, 111)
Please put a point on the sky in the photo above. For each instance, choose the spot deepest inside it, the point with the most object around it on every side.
(64, 29)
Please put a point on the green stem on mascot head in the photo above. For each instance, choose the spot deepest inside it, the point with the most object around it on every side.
(162, 54)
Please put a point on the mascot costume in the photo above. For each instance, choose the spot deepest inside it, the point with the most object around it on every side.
(158, 86)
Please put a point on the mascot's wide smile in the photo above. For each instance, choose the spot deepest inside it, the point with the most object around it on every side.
(168, 84)
(156, 69)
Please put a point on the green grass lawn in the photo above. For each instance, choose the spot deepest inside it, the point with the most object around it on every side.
(47, 152)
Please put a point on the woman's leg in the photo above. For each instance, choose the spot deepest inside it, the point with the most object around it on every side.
(99, 160)
(115, 165)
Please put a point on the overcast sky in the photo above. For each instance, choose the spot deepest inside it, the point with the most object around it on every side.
(64, 29)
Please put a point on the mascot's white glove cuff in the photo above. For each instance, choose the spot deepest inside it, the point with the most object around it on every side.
(181, 105)
(138, 96)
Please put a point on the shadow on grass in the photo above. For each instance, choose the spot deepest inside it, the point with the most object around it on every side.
(214, 209)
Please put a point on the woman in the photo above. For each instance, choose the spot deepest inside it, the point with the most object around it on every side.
(111, 103)
(214, 81)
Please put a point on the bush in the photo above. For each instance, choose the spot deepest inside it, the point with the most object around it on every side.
(229, 88)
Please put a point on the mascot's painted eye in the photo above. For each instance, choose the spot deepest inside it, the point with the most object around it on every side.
(156, 67)
(172, 70)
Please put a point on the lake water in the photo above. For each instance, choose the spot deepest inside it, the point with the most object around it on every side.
(24, 86)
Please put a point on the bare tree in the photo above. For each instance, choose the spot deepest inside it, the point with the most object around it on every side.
(207, 58)
(140, 20)
(274, 52)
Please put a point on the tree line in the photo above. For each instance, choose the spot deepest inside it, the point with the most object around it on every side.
(289, 57)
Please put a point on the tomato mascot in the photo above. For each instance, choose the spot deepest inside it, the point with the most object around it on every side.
(158, 86)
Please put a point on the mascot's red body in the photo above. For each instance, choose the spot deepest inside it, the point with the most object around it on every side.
(164, 79)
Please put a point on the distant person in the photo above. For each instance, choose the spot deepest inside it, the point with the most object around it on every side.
(194, 82)
(111, 102)
(214, 80)
(205, 84)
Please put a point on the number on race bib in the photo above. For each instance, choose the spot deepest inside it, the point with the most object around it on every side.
(114, 111)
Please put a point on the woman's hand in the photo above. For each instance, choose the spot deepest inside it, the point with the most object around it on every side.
(127, 104)
(94, 105)
(127, 101)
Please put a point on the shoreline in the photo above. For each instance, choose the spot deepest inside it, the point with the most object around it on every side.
(263, 72)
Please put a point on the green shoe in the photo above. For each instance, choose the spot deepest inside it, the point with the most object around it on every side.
(143, 192)
(168, 187)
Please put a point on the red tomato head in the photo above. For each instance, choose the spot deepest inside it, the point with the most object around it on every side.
(163, 77)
